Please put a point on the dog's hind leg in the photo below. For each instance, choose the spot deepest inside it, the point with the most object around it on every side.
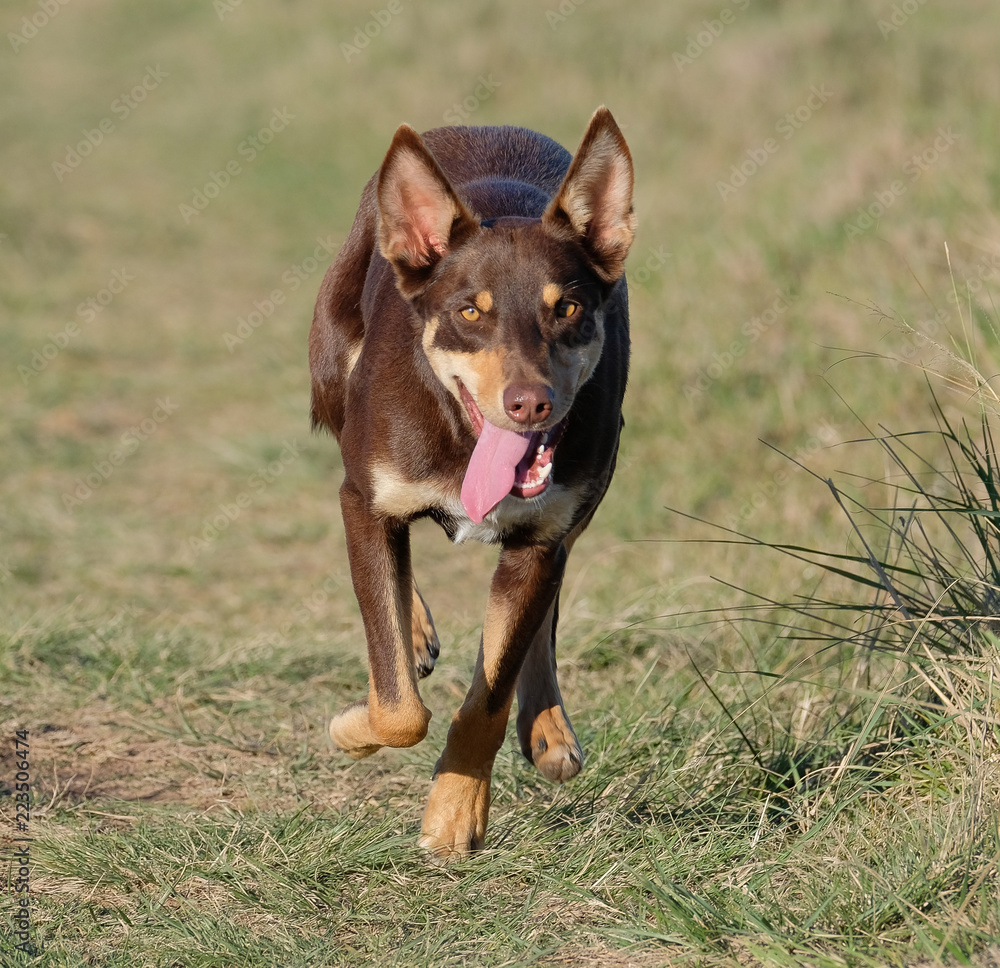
(543, 728)
(426, 646)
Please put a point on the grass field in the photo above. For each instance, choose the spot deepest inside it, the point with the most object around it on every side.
(774, 776)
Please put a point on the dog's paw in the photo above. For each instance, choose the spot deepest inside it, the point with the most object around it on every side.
(426, 646)
(456, 816)
(360, 730)
(552, 746)
(352, 733)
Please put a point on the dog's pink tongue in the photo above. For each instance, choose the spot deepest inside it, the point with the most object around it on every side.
(490, 474)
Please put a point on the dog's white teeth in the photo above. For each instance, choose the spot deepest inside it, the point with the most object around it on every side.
(544, 473)
(541, 450)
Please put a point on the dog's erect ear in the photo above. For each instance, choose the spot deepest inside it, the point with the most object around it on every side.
(420, 217)
(595, 198)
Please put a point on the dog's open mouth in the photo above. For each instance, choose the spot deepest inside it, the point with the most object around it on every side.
(505, 462)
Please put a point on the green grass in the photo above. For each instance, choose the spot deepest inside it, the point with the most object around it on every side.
(791, 754)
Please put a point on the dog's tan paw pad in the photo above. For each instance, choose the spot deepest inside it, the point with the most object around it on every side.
(352, 734)
(553, 746)
(456, 816)
(557, 763)
(441, 854)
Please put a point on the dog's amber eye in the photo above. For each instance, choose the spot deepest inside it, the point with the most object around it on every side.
(566, 309)
(470, 313)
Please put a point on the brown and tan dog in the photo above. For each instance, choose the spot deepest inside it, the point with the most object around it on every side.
(469, 351)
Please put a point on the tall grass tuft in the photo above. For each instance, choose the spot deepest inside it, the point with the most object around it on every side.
(908, 616)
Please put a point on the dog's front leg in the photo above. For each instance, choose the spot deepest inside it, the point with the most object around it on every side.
(393, 714)
(524, 586)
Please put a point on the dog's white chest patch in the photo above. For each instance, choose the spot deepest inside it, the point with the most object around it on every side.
(393, 494)
(548, 515)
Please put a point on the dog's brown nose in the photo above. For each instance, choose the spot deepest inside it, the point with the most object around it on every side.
(528, 403)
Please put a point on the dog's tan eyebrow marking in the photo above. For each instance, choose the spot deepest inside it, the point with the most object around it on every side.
(484, 301)
(550, 294)
(430, 331)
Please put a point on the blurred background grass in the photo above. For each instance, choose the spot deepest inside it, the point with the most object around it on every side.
(695, 96)
(763, 302)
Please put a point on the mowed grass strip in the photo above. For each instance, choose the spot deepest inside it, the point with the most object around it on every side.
(683, 837)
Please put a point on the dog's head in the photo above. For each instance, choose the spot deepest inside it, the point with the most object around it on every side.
(512, 309)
